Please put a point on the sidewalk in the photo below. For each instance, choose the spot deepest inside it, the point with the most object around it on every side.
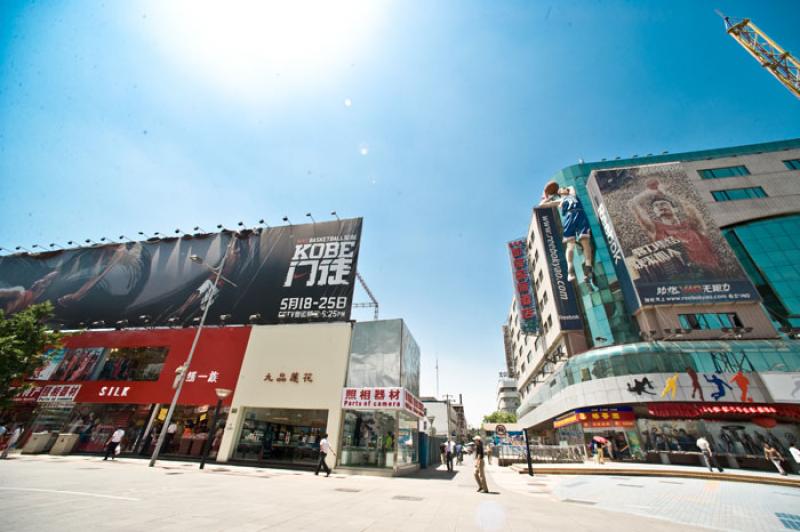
(658, 470)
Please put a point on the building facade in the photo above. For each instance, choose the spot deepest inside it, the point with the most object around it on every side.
(507, 394)
(277, 344)
(689, 324)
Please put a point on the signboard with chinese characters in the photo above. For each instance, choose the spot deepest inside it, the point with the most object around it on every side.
(28, 395)
(382, 399)
(598, 418)
(563, 291)
(216, 364)
(295, 377)
(662, 239)
(58, 393)
(526, 302)
(290, 274)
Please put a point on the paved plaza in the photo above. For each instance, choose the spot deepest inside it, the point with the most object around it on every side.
(79, 492)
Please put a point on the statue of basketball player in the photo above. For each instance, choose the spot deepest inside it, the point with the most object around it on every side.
(575, 225)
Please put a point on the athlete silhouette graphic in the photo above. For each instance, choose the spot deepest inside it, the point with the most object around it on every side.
(639, 387)
(743, 383)
(695, 383)
(720, 384)
(671, 386)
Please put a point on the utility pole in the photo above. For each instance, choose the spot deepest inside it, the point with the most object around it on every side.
(437, 376)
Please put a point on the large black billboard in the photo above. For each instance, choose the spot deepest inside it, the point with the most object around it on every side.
(662, 238)
(563, 291)
(289, 274)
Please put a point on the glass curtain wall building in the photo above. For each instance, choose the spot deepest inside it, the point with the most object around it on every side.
(714, 356)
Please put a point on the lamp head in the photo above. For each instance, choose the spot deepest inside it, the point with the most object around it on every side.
(222, 393)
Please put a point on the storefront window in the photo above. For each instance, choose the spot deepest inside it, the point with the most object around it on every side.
(132, 364)
(99, 363)
(281, 435)
(407, 440)
(94, 423)
(368, 439)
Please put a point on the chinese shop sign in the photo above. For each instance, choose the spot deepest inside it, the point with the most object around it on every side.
(382, 399)
(526, 305)
(58, 393)
(294, 376)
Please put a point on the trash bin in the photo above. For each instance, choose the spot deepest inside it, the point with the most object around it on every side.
(39, 442)
(65, 443)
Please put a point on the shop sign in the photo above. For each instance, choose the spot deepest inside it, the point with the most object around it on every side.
(28, 395)
(412, 404)
(382, 399)
(293, 376)
(59, 393)
(526, 302)
(598, 418)
(500, 430)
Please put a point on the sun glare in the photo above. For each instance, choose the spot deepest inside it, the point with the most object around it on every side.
(246, 45)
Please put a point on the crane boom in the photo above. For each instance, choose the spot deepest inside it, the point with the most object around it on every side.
(775, 59)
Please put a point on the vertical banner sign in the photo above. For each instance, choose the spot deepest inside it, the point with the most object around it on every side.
(658, 229)
(526, 303)
(563, 291)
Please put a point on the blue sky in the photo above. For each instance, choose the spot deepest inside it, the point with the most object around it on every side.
(438, 122)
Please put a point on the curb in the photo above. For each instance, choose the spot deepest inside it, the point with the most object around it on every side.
(753, 479)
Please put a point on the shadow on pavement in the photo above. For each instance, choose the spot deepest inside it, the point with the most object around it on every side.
(431, 473)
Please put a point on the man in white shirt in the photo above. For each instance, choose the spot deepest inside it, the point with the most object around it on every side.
(113, 442)
(708, 454)
(450, 449)
(324, 449)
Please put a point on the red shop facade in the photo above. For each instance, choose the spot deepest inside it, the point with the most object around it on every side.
(99, 381)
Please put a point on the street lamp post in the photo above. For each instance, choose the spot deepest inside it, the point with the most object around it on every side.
(182, 375)
(528, 452)
(222, 393)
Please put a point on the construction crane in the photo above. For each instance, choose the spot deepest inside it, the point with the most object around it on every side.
(373, 303)
(775, 59)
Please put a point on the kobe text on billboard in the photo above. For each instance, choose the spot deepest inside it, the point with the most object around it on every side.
(322, 261)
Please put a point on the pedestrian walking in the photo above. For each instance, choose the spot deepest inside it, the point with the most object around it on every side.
(443, 452)
(459, 453)
(480, 473)
(12, 442)
(113, 442)
(772, 454)
(708, 454)
(324, 449)
(449, 452)
(489, 451)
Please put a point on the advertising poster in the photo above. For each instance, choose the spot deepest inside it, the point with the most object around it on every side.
(663, 240)
(523, 289)
(53, 358)
(564, 292)
(290, 274)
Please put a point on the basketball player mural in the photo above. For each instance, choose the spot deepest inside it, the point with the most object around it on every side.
(575, 225)
(663, 215)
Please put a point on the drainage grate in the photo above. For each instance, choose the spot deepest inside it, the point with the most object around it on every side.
(174, 473)
(347, 490)
(671, 482)
(406, 498)
(790, 521)
(578, 501)
(220, 469)
(630, 485)
(85, 468)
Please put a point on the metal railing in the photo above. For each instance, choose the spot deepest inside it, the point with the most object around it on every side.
(511, 454)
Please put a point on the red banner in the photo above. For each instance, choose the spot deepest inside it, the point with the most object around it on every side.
(216, 364)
